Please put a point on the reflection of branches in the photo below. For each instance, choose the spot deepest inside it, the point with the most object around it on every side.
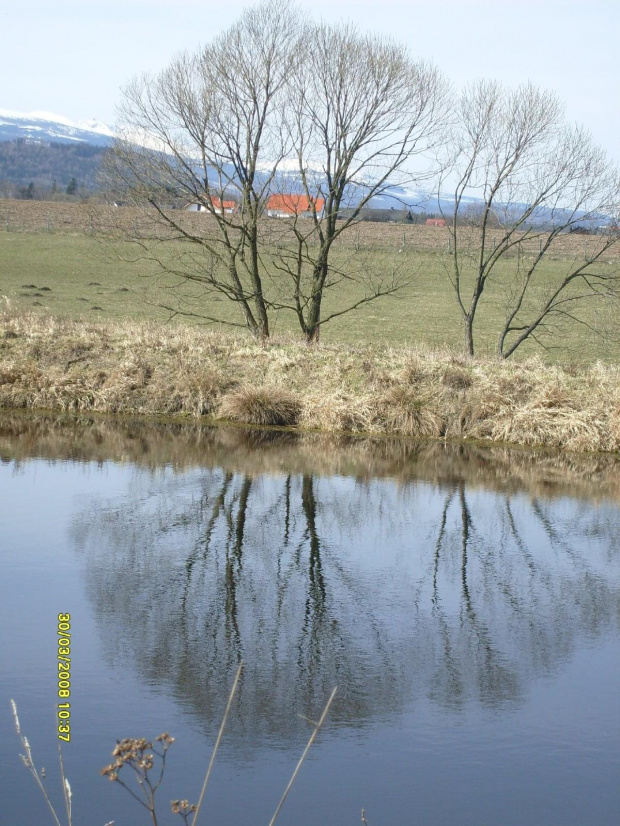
(552, 534)
(314, 614)
(526, 603)
(440, 536)
(454, 685)
(495, 682)
(517, 536)
(317, 584)
(205, 542)
(312, 582)
(234, 560)
(466, 527)
(234, 593)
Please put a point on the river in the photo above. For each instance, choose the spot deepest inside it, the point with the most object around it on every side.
(464, 600)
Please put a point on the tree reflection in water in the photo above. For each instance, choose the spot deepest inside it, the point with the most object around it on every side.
(389, 590)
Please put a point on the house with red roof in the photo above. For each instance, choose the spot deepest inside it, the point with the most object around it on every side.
(223, 207)
(294, 206)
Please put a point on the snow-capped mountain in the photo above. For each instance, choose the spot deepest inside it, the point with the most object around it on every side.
(47, 127)
(419, 200)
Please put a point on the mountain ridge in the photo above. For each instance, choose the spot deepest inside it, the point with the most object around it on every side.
(46, 127)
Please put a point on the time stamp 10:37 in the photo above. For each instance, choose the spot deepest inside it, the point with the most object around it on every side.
(64, 677)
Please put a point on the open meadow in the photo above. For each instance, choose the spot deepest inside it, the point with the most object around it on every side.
(59, 259)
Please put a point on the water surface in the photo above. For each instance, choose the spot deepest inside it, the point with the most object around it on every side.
(466, 602)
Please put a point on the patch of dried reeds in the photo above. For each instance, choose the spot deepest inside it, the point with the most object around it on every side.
(140, 368)
(261, 406)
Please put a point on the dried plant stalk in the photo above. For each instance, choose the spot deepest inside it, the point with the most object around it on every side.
(303, 756)
(233, 691)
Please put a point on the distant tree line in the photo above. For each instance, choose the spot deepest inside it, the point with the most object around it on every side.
(396, 215)
(45, 171)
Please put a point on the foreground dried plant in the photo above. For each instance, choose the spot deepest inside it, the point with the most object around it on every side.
(54, 364)
(147, 763)
(141, 757)
(39, 776)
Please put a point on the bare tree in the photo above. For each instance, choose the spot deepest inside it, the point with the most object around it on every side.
(203, 132)
(535, 178)
(348, 114)
(364, 116)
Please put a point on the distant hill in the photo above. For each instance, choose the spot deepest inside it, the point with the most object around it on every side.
(47, 127)
(42, 153)
(49, 167)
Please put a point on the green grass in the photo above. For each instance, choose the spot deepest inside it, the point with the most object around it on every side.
(79, 277)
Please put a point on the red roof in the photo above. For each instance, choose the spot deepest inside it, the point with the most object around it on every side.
(435, 222)
(219, 205)
(294, 204)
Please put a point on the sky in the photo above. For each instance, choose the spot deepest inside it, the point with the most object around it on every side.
(72, 57)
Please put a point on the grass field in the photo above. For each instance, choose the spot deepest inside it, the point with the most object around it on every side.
(75, 275)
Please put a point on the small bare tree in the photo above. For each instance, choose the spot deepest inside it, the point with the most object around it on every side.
(534, 179)
(203, 132)
(363, 117)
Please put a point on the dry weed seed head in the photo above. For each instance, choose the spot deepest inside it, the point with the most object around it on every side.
(136, 752)
(180, 806)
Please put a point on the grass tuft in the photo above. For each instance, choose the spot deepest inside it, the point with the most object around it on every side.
(261, 406)
(410, 413)
(457, 378)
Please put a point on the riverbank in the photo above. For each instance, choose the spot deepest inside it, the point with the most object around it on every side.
(249, 451)
(50, 363)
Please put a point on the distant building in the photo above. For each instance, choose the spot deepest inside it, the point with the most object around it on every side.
(435, 222)
(294, 206)
(223, 207)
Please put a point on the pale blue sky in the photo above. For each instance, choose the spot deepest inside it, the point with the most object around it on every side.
(72, 56)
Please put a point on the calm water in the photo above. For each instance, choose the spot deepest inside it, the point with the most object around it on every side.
(465, 602)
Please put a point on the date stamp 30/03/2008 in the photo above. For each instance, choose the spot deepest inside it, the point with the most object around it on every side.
(64, 677)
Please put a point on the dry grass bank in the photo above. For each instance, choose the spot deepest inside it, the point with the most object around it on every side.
(140, 368)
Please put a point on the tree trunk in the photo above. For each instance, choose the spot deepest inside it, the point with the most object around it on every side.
(259, 300)
(263, 320)
(469, 335)
(313, 326)
(313, 322)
